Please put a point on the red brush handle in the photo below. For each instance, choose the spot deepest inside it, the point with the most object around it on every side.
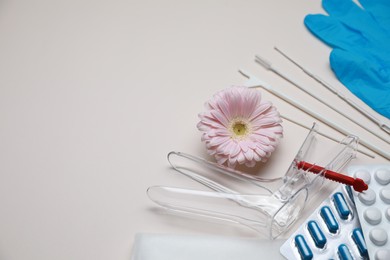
(357, 184)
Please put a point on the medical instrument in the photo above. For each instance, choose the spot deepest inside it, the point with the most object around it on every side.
(360, 37)
(253, 82)
(332, 231)
(364, 112)
(267, 65)
(358, 184)
(268, 206)
(323, 134)
(373, 208)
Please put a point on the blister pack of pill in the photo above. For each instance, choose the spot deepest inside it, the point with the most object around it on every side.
(373, 207)
(332, 231)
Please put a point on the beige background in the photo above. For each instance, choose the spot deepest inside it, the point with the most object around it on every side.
(94, 94)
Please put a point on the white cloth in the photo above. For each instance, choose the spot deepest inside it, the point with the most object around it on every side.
(186, 247)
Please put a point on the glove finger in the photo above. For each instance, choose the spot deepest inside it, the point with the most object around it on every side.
(369, 67)
(365, 3)
(341, 8)
(380, 11)
(348, 13)
(368, 80)
(334, 33)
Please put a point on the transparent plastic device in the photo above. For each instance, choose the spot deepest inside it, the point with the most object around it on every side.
(269, 206)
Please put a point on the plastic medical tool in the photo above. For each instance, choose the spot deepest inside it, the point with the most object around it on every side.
(267, 65)
(254, 82)
(349, 101)
(268, 206)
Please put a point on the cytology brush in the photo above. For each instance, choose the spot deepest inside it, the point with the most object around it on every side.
(358, 184)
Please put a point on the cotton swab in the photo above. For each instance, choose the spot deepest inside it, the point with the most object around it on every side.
(382, 125)
(261, 84)
(267, 65)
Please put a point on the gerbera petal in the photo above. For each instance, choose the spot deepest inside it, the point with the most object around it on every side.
(231, 99)
(258, 138)
(202, 127)
(235, 149)
(249, 155)
(244, 146)
(222, 132)
(222, 148)
(205, 137)
(265, 148)
(250, 104)
(212, 132)
(217, 140)
(232, 163)
(224, 106)
(221, 159)
(212, 122)
(240, 158)
(260, 152)
(256, 157)
(260, 110)
(211, 152)
(251, 144)
(263, 121)
(218, 115)
(250, 163)
(267, 132)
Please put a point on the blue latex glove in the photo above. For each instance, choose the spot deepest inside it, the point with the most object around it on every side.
(360, 38)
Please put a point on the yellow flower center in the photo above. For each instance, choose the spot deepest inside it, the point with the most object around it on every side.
(239, 128)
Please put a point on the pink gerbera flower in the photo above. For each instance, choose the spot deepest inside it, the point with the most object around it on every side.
(239, 127)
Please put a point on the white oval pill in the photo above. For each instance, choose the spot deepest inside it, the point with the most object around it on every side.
(364, 175)
(385, 195)
(382, 176)
(367, 197)
(382, 254)
(387, 213)
(378, 236)
(373, 216)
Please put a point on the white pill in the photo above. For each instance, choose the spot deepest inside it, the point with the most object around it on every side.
(382, 176)
(373, 216)
(367, 197)
(382, 254)
(364, 175)
(387, 213)
(378, 236)
(385, 195)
